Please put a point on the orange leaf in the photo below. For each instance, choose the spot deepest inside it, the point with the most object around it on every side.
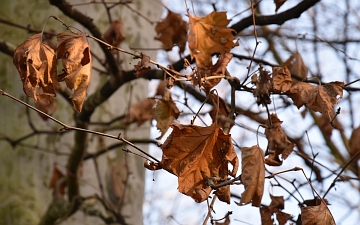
(36, 64)
(319, 215)
(114, 35)
(74, 50)
(196, 154)
(172, 30)
(281, 79)
(318, 98)
(253, 175)
(142, 66)
(278, 142)
(209, 35)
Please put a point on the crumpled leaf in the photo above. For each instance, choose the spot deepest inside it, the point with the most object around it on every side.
(142, 66)
(317, 215)
(172, 30)
(115, 34)
(36, 63)
(253, 175)
(209, 35)
(220, 114)
(281, 79)
(164, 113)
(74, 50)
(263, 86)
(275, 207)
(354, 142)
(266, 214)
(278, 142)
(297, 67)
(278, 4)
(46, 104)
(318, 98)
(196, 154)
(141, 111)
(57, 181)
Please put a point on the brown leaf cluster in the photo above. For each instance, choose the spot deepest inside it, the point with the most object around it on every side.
(317, 215)
(209, 35)
(115, 34)
(197, 155)
(276, 206)
(278, 142)
(319, 98)
(172, 30)
(36, 63)
(253, 175)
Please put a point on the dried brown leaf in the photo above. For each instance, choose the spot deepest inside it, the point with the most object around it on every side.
(46, 104)
(278, 142)
(141, 111)
(278, 4)
(115, 34)
(297, 67)
(196, 154)
(209, 35)
(263, 87)
(172, 30)
(317, 215)
(74, 50)
(277, 202)
(253, 175)
(282, 217)
(36, 63)
(266, 214)
(143, 65)
(281, 79)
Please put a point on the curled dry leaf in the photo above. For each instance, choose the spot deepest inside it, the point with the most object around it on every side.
(141, 111)
(318, 98)
(263, 86)
(172, 30)
(74, 50)
(281, 79)
(46, 104)
(253, 175)
(209, 35)
(36, 63)
(317, 215)
(297, 67)
(115, 34)
(196, 154)
(278, 142)
(142, 66)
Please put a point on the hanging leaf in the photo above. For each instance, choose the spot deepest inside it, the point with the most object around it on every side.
(278, 142)
(172, 30)
(266, 214)
(46, 104)
(297, 67)
(115, 34)
(74, 50)
(36, 64)
(209, 35)
(142, 66)
(318, 98)
(281, 79)
(263, 86)
(253, 175)
(317, 215)
(197, 155)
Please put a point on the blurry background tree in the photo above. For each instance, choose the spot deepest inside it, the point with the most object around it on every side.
(317, 40)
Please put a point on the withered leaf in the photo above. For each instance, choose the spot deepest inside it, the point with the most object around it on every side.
(263, 87)
(278, 142)
(57, 181)
(297, 67)
(164, 113)
(172, 30)
(282, 217)
(142, 66)
(281, 79)
(46, 104)
(253, 175)
(141, 111)
(266, 214)
(317, 215)
(74, 50)
(277, 202)
(209, 35)
(115, 34)
(36, 63)
(278, 4)
(196, 154)
(318, 98)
